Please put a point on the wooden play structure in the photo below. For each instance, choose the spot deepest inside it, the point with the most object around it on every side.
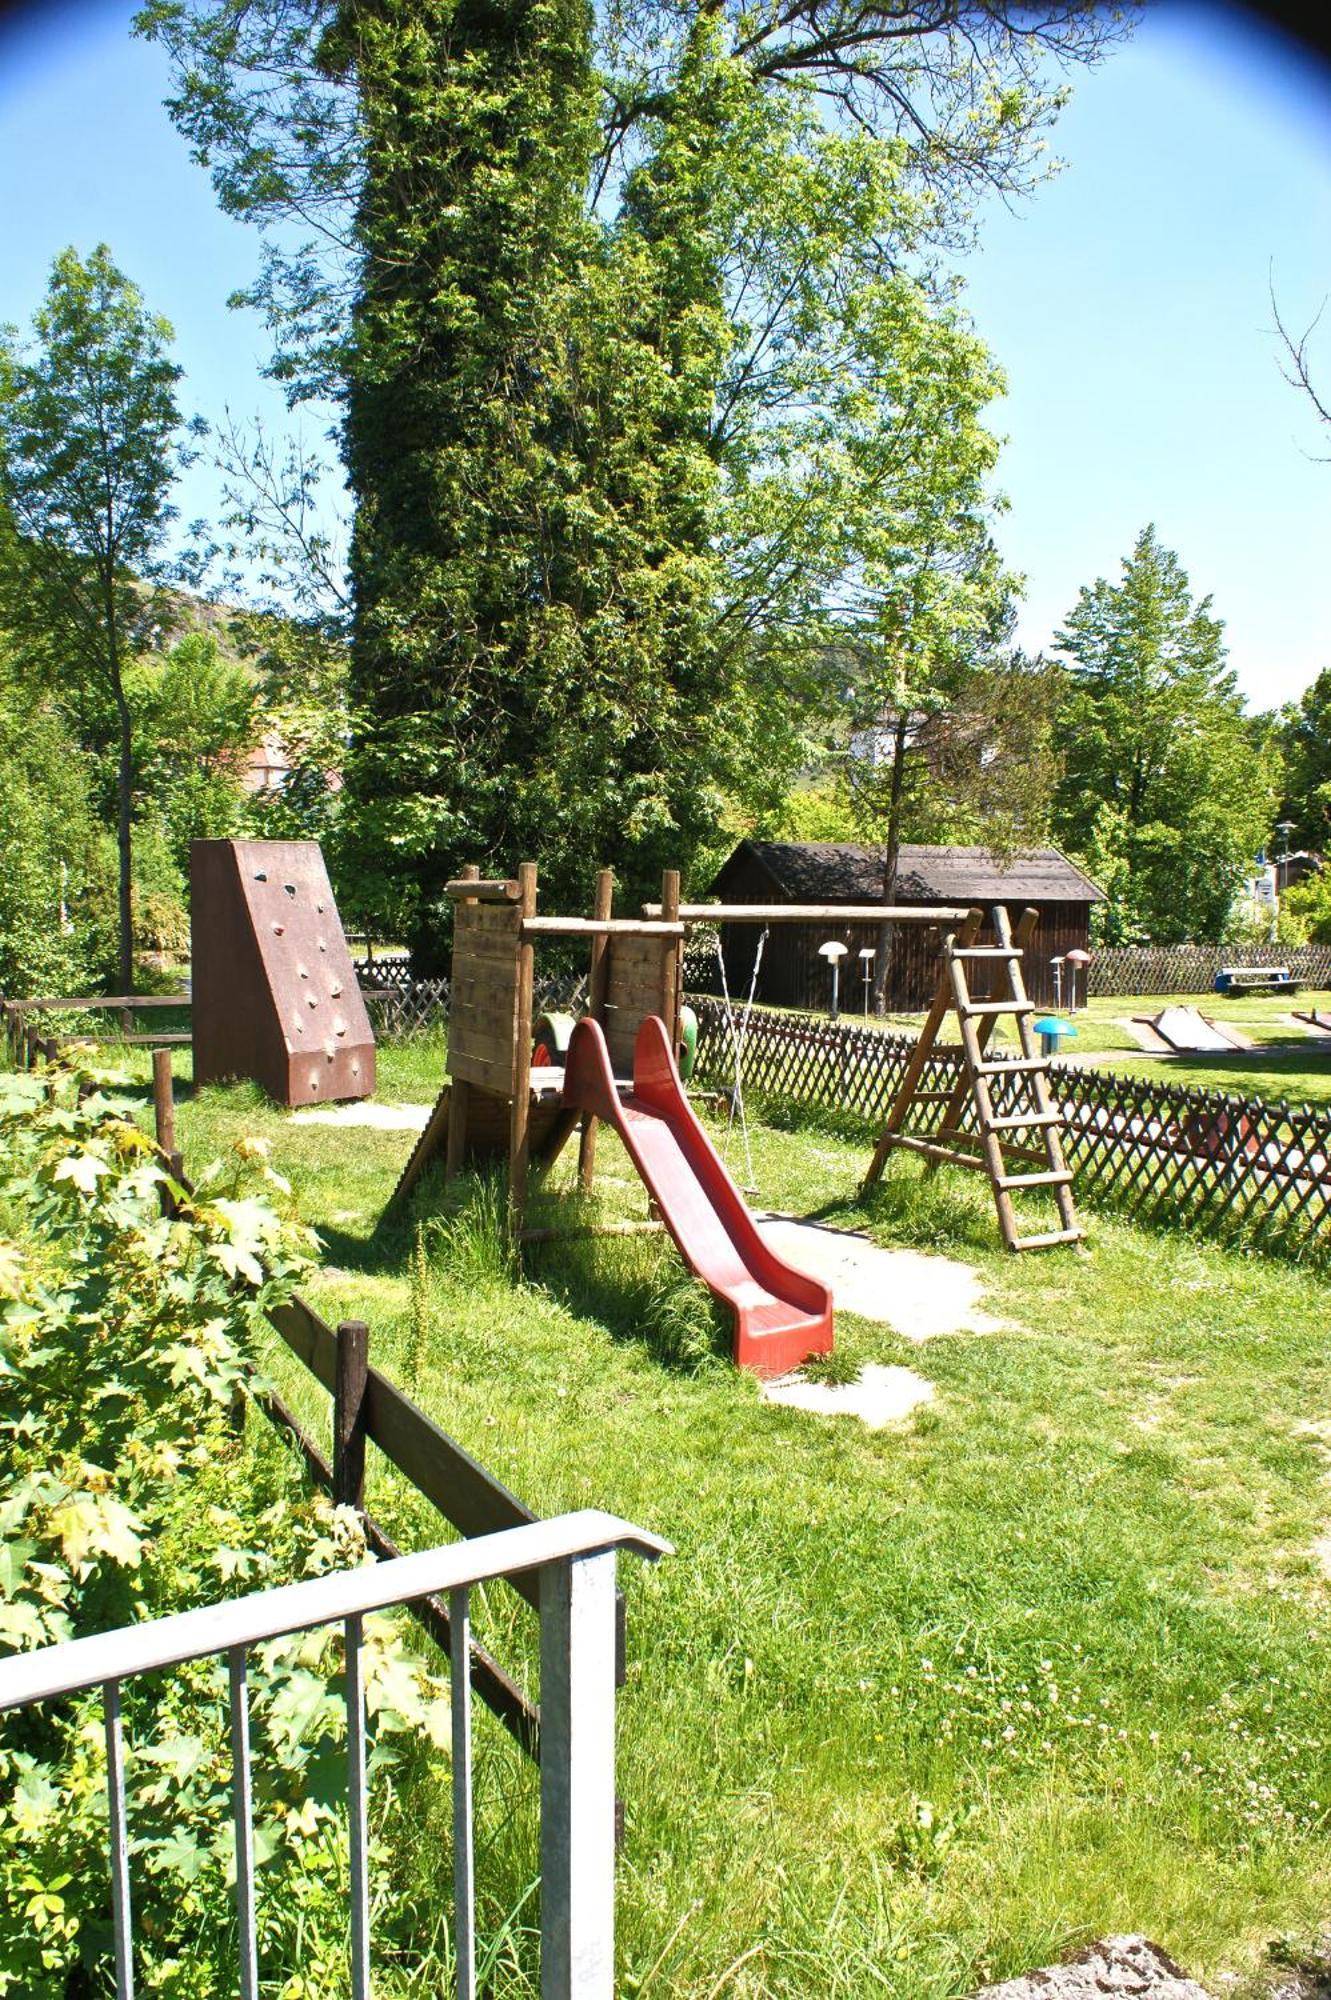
(620, 1067)
(995, 1088)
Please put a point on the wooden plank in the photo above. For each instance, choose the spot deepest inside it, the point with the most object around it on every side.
(519, 1154)
(131, 1001)
(805, 913)
(946, 1155)
(425, 1148)
(475, 890)
(310, 1339)
(615, 927)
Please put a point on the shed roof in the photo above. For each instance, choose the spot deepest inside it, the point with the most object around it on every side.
(831, 871)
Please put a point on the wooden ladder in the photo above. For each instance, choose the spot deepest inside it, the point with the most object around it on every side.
(992, 1151)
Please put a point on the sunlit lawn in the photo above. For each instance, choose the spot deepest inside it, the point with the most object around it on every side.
(912, 1709)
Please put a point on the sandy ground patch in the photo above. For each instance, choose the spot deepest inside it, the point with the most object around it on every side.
(918, 1295)
(881, 1396)
(363, 1111)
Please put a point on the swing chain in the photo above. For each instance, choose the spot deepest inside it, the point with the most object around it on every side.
(737, 1042)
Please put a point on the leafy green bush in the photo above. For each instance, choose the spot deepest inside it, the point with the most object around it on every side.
(128, 1492)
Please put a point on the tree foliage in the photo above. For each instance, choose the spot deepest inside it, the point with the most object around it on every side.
(1303, 734)
(1165, 789)
(636, 321)
(57, 884)
(90, 443)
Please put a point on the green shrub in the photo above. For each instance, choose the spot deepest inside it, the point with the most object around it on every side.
(129, 1492)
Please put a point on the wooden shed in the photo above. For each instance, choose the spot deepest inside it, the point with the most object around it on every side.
(793, 975)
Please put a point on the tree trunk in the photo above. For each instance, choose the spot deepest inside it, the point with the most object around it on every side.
(124, 809)
(882, 965)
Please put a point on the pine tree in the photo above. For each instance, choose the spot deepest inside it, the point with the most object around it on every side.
(1164, 790)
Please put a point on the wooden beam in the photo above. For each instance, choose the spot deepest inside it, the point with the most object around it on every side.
(469, 888)
(814, 913)
(670, 956)
(599, 927)
(127, 1000)
(520, 1119)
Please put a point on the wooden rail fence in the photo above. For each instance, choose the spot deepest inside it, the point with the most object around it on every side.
(1234, 1168)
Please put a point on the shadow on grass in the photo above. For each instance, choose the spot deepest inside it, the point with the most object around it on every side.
(634, 1286)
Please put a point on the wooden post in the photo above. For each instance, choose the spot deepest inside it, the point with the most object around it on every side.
(164, 1105)
(598, 979)
(353, 1366)
(458, 1091)
(520, 1118)
(670, 958)
(578, 1779)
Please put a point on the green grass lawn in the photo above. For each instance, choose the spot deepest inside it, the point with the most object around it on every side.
(913, 1709)
(1283, 1063)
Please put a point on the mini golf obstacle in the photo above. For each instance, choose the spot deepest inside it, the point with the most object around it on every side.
(994, 1088)
(274, 993)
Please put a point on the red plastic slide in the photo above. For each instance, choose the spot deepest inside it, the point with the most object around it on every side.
(781, 1315)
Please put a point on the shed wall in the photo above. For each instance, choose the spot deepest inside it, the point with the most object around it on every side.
(792, 974)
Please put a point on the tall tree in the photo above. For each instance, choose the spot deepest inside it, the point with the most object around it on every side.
(722, 203)
(1164, 791)
(90, 445)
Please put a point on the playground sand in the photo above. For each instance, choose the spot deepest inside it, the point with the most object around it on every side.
(918, 1295)
(881, 1396)
(387, 1117)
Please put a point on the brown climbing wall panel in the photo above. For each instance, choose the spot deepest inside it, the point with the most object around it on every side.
(274, 993)
(483, 1001)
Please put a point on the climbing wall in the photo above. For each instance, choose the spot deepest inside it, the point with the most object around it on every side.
(275, 996)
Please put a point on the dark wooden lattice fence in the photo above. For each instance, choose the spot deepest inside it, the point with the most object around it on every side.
(1237, 1169)
(400, 1007)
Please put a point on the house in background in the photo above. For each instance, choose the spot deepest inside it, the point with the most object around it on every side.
(793, 975)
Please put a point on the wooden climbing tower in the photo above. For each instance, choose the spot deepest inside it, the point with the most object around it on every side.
(1015, 1137)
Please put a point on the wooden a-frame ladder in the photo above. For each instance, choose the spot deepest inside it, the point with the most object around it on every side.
(990, 1149)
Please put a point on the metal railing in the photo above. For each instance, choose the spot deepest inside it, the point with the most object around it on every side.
(573, 1557)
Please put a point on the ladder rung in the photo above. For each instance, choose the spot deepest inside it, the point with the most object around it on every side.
(1056, 1177)
(1006, 951)
(1019, 1066)
(1043, 1242)
(932, 1096)
(933, 1151)
(1020, 1118)
(996, 1007)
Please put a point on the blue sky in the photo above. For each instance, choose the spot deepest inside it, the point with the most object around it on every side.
(1127, 301)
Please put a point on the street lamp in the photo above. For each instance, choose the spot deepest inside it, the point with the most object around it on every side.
(1077, 957)
(834, 953)
(867, 956)
(1057, 964)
